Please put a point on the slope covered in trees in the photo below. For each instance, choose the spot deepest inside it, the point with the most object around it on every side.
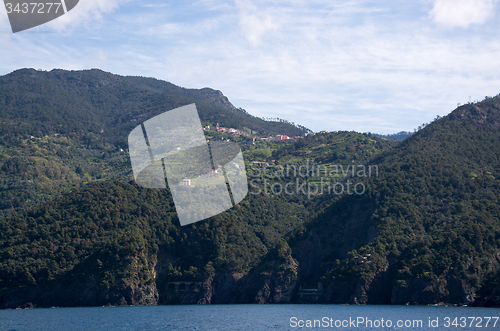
(76, 230)
(427, 230)
(60, 130)
(112, 238)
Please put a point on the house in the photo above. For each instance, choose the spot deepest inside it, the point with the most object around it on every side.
(260, 164)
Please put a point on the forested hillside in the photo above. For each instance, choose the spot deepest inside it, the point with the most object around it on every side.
(61, 130)
(114, 239)
(76, 230)
(427, 230)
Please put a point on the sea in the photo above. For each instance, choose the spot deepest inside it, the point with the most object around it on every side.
(251, 317)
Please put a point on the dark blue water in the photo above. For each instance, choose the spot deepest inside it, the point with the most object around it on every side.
(252, 317)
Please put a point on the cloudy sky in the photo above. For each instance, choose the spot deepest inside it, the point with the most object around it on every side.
(378, 66)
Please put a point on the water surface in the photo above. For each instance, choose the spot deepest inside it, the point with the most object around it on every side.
(251, 317)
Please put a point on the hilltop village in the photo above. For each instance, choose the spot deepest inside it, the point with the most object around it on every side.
(252, 138)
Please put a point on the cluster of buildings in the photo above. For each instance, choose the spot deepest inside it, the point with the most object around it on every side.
(218, 128)
(237, 132)
(209, 172)
(281, 137)
(324, 131)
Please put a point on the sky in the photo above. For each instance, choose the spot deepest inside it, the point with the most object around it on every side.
(369, 66)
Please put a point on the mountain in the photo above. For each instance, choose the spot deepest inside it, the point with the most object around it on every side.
(367, 220)
(427, 229)
(64, 129)
(113, 242)
(96, 105)
(76, 230)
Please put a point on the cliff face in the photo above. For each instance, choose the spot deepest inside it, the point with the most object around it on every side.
(274, 280)
(278, 279)
(381, 289)
(139, 288)
(123, 293)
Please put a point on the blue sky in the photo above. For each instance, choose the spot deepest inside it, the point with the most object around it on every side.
(379, 66)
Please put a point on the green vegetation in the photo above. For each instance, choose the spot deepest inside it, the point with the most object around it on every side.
(402, 135)
(425, 230)
(61, 130)
(434, 209)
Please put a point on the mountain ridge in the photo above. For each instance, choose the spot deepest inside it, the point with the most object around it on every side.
(75, 97)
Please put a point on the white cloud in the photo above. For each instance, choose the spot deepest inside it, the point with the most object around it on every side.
(87, 12)
(4, 20)
(334, 67)
(462, 13)
(254, 25)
